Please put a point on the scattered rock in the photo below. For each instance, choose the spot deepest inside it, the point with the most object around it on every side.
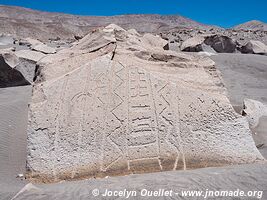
(10, 77)
(43, 48)
(193, 44)
(254, 47)
(29, 42)
(219, 43)
(6, 40)
(155, 41)
(37, 46)
(77, 37)
(20, 176)
(30, 55)
(254, 110)
(24, 61)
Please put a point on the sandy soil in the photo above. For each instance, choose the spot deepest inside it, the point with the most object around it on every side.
(245, 76)
(245, 177)
(13, 137)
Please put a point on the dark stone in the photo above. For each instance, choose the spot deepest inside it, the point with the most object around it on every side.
(10, 77)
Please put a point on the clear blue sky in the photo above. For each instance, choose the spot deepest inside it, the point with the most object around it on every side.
(225, 13)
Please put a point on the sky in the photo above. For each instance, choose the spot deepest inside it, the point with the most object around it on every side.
(224, 13)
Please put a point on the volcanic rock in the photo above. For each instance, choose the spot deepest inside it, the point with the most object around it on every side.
(10, 77)
(24, 61)
(254, 110)
(219, 43)
(36, 45)
(254, 47)
(6, 40)
(114, 106)
(193, 44)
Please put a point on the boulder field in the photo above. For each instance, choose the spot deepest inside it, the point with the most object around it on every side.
(222, 44)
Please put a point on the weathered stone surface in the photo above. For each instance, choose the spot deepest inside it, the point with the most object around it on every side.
(6, 40)
(30, 55)
(193, 44)
(155, 41)
(115, 104)
(254, 110)
(24, 61)
(9, 76)
(254, 47)
(28, 42)
(37, 46)
(256, 114)
(219, 43)
(44, 48)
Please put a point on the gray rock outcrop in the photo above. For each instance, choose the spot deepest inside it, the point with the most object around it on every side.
(10, 77)
(38, 46)
(193, 44)
(221, 43)
(256, 114)
(117, 103)
(23, 61)
(254, 110)
(217, 43)
(254, 47)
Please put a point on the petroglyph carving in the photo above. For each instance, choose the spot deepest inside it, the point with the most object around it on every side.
(114, 113)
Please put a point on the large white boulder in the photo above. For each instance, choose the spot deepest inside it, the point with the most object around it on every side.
(193, 44)
(254, 47)
(254, 110)
(116, 104)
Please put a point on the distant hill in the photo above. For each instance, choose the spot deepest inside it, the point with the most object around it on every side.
(25, 22)
(252, 25)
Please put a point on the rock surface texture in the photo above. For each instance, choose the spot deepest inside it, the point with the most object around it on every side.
(213, 43)
(117, 103)
(256, 114)
(254, 47)
(21, 63)
(254, 110)
(10, 77)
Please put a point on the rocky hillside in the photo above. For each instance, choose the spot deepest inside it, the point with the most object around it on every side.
(24, 22)
(64, 28)
(254, 25)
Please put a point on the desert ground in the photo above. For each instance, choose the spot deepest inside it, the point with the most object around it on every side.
(244, 76)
